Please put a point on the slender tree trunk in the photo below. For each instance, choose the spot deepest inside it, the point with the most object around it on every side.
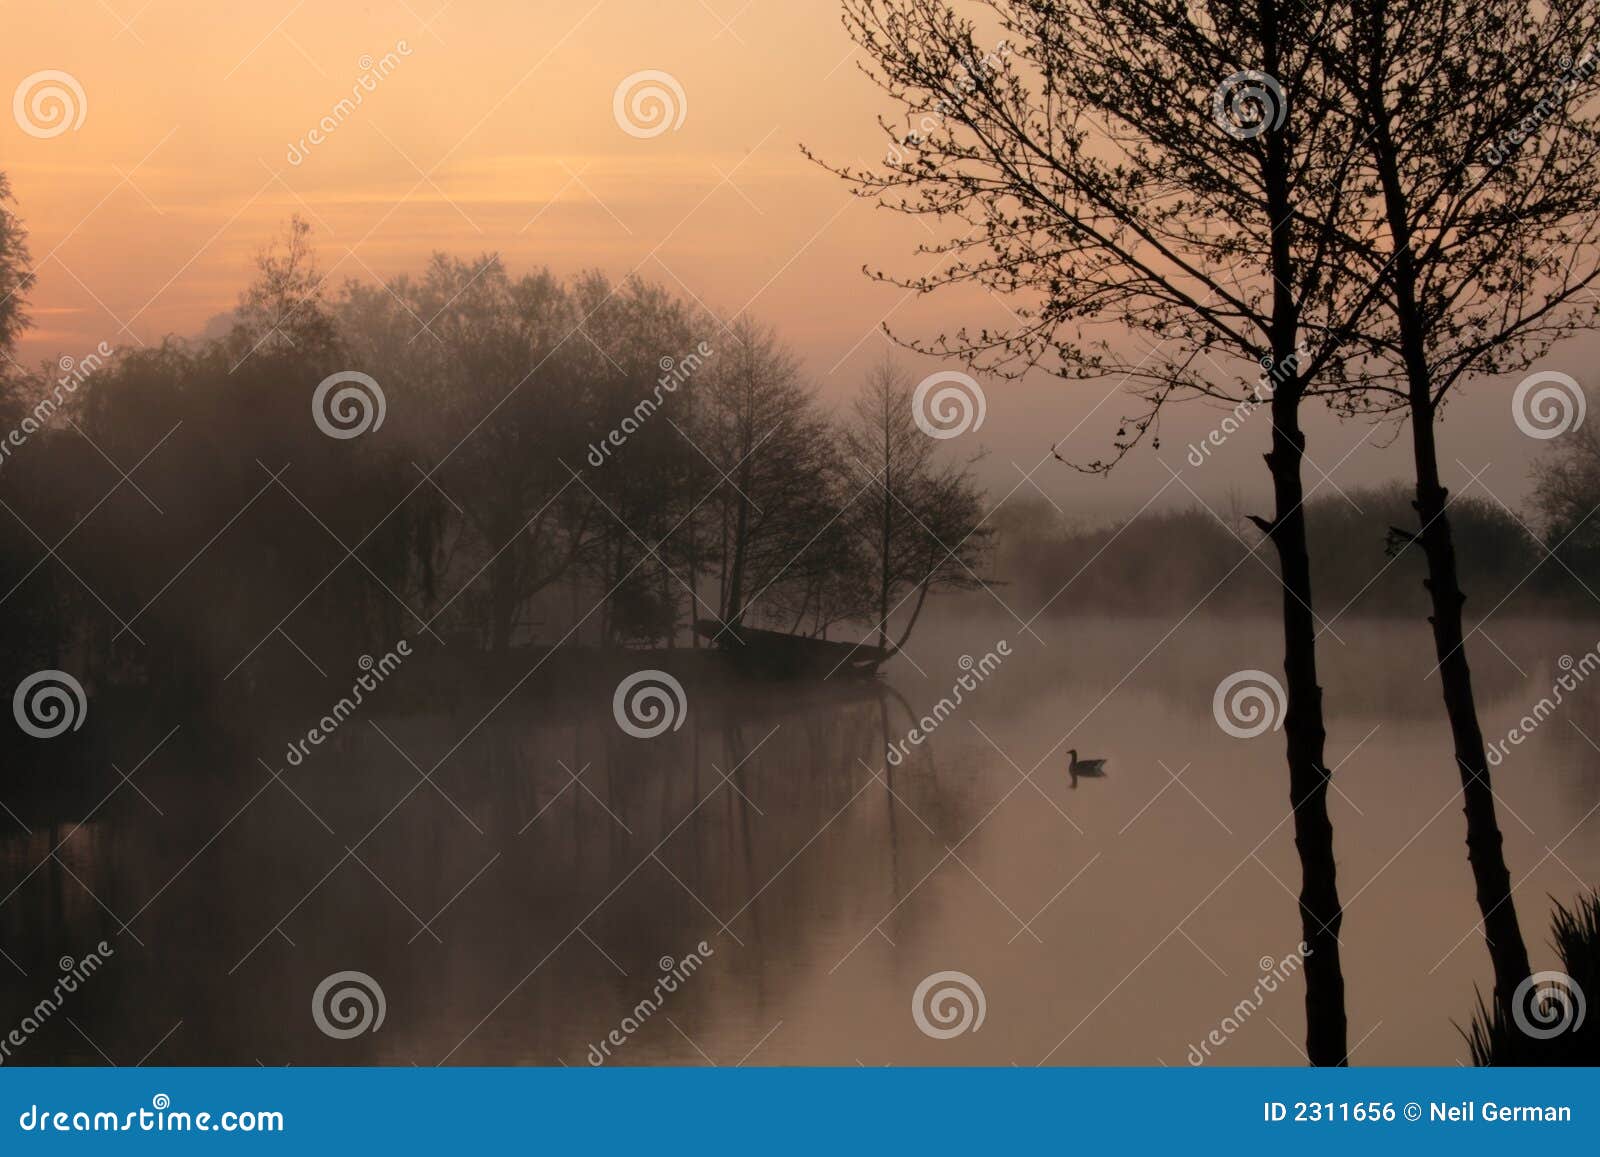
(1507, 952)
(741, 533)
(1320, 912)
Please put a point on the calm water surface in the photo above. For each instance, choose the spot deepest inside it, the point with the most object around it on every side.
(519, 906)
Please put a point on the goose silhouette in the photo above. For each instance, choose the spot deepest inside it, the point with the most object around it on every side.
(1084, 768)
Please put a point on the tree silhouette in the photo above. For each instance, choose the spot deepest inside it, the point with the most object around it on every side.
(1169, 168)
(1482, 140)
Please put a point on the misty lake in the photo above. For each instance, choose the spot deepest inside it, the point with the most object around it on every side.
(518, 907)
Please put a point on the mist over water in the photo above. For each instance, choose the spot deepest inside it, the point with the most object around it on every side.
(515, 914)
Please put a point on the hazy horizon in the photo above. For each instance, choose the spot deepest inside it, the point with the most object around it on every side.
(146, 219)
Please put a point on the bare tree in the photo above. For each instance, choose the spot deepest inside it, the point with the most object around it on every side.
(16, 277)
(760, 424)
(1172, 168)
(906, 503)
(1566, 493)
(1482, 144)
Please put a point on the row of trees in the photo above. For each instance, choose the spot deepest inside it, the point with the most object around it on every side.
(527, 459)
(1169, 561)
(1374, 200)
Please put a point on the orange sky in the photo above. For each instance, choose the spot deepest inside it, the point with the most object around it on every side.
(495, 132)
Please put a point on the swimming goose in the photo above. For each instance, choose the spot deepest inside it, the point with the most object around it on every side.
(1084, 768)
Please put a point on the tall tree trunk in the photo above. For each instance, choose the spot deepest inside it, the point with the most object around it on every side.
(1507, 951)
(741, 534)
(1320, 912)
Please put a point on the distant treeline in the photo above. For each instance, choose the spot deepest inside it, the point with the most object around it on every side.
(464, 458)
(1168, 562)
